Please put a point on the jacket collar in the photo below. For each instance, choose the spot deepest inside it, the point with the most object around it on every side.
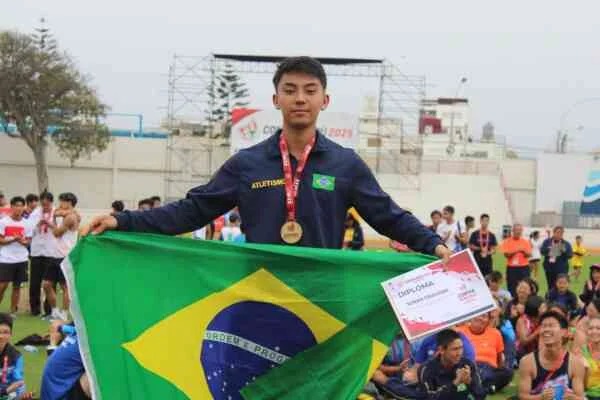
(322, 144)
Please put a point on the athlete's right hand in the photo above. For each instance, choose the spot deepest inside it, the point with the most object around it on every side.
(100, 224)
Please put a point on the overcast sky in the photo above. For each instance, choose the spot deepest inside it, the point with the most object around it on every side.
(526, 62)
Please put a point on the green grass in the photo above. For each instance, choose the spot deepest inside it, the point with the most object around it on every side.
(34, 362)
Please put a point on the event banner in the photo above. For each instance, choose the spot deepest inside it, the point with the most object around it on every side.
(434, 297)
(251, 126)
(162, 317)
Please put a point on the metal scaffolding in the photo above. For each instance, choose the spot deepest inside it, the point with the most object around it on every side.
(191, 162)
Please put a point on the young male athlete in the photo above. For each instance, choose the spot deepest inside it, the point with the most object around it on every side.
(295, 187)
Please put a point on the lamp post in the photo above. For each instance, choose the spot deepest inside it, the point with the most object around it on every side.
(462, 81)
(561, 137)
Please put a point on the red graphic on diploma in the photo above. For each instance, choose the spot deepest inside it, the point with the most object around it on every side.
(434, 297)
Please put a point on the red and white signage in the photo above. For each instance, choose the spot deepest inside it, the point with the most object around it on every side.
(251, 126)
(433, 297)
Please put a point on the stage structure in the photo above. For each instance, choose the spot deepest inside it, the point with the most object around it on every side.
(192, 162)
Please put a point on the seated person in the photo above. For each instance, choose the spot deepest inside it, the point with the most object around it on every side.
(450, 376)
(397, 374)
(12, 381)
(489, 353)
(64, 375)
(561, 294)
(551, 372)
(494, 282)
(528, 326)
(429, 346)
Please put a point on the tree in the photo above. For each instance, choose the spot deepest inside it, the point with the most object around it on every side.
(226, 92)
(44, 95)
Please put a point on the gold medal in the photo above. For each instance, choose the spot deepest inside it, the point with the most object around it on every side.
(291, 232)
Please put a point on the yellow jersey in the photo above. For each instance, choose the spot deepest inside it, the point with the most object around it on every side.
(578, 253)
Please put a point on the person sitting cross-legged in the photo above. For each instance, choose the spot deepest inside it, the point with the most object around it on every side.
(489, 353)
(450, 376)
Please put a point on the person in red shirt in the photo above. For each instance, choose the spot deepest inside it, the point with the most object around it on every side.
(517, 251)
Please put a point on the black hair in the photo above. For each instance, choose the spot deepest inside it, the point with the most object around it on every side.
(533, 285)
(563, 276)
(155, 198)
(47, 196)
(233, 218)
(31, 197)
(532, 306)
(118, 205)
(17, 199)
(305, 65)
(578, 237)
(435, 212)
(494, 276)
(445, 337)
(564, 324)
(469, 219)
(594, 267)
(449, 209)
(561, 307)
(484, 216)
(6, 319)
(145, 201)
(68, 196)
(534, 234)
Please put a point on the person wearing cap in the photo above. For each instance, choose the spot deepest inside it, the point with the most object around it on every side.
(293, 188)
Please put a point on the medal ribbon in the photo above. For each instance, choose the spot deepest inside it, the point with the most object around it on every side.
(484, 244)
(293, 183)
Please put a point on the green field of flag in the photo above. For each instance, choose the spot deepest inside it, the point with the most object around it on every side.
(170, 318)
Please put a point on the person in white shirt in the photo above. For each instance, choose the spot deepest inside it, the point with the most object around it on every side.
(450, 230)
(65, 229)
(44, 252)
(232, 231)
(536, 254)
(15, 236)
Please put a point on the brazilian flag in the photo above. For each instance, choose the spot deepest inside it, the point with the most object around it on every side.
(172, 318)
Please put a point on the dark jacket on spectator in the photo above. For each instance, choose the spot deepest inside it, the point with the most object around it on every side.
(437, 381)
(590, 292)
(569, 300)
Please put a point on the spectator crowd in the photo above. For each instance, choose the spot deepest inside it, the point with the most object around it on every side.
(552, 342)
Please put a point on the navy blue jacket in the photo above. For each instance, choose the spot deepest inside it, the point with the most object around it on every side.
(562, 261)
(252, 179)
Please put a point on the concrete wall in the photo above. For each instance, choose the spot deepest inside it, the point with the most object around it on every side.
(130, 169)
(520, 181)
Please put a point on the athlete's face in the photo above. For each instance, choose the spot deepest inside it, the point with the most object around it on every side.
(65, 205)
(300, 97)
(17, 209)
(593, 330)
(551, 332)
